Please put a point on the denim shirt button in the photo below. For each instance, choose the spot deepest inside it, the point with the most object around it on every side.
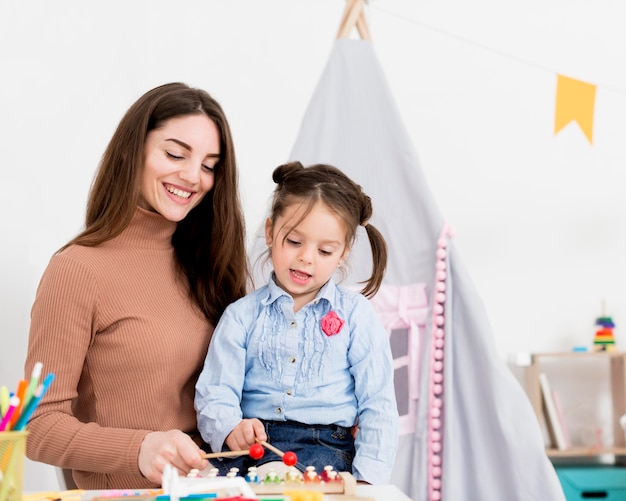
(279, 410)
(293, 324)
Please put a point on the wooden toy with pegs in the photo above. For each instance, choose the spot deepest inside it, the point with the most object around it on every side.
(328, 481)
(603, 339)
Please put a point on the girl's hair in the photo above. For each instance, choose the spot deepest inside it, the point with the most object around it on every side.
(329, 185)
(209, 243)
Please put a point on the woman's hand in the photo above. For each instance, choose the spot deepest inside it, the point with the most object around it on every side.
(168, 447)
(245, 434)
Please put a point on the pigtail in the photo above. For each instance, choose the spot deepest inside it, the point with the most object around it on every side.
(377, 244)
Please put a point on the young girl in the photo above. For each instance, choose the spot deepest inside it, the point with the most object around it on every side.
(301, 361)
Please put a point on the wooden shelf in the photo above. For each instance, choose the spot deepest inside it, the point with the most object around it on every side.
(582, 354)
(616, 373)
(581, 452)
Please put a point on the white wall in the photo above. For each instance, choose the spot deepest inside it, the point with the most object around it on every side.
(539, 217)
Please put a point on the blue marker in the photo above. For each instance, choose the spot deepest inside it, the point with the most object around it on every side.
(28, 411)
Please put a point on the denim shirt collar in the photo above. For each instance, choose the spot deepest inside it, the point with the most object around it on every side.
(328, 293)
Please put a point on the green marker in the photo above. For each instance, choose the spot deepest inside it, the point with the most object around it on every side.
(4, 400)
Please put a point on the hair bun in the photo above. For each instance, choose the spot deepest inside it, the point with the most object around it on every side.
(282, 171)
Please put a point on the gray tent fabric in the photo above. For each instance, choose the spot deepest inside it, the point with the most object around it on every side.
(491, 444)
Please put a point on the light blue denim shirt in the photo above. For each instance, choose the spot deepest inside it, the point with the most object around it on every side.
(264, 361)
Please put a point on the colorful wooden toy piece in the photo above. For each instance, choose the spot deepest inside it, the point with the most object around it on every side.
(604, 339)
(293, 476)
(194, 473)
(311, 476)
(272, 477)
(330, 475)
(252, 475)
(304, 495)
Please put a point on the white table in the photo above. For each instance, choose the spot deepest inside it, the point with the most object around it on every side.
(376, 492)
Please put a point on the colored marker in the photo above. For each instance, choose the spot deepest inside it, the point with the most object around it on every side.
(130, 497)
(30, 407)
(13, 403)
(4, 399)
(21, 394)
(191, 497)
(34, 382)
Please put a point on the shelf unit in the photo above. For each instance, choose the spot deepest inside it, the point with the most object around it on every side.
(617, 387)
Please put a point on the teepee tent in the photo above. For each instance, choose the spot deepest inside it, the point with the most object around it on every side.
(468, 429)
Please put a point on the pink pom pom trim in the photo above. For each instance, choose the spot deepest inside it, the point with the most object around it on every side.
(437, 358)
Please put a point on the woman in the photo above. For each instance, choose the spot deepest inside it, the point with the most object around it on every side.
(124, 311)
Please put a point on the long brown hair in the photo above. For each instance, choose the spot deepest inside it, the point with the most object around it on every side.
(209, 244)
(328, 184)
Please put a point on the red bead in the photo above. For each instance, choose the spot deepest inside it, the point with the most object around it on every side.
(290, 458)
(256, 451)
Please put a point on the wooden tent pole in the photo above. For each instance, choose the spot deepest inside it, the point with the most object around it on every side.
(344, 18)
(361, 24)
(354, 15)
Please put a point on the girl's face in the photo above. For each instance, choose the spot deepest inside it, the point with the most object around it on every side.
(311, 252)
(179, 158)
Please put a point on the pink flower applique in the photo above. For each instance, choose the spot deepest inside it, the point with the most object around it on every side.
(331, 323)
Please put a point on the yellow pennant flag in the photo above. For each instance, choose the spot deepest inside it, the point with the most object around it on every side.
(575, 101)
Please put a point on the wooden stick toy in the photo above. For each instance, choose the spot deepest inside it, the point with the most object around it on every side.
(255, 451)
(289, 458)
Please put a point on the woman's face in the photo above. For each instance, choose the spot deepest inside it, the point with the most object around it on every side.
(179, 158)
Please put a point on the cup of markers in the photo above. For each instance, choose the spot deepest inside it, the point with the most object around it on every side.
(15, 411)
(12, 447)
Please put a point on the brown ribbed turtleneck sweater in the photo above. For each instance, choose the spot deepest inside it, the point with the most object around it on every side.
(126, 345)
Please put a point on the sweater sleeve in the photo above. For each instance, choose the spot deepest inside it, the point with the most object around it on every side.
(64, 320)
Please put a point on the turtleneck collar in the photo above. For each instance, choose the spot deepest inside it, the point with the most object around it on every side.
(148, 230)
